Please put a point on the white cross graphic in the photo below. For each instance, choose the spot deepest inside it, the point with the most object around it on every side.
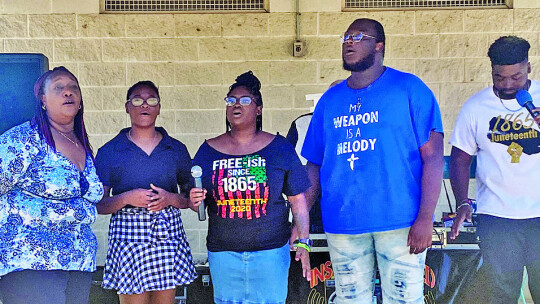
(351, 161)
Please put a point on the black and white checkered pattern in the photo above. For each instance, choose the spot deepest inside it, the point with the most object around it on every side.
(147, 252)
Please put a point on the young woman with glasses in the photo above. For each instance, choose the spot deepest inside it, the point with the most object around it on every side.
(141, 170)
(48, 191)
(246, 171)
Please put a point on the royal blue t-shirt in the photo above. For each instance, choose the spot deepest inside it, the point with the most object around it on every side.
(367, 143)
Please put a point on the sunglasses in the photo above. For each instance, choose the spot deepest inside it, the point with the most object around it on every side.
(355, 38)
(245, 100)
(137, 101)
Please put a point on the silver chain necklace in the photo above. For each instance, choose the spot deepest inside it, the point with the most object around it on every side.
(502, 103)
(528, 85)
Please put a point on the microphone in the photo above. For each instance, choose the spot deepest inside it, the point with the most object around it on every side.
(196, 172)
(524, 99)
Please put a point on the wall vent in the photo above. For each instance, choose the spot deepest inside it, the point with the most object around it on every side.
(172, 6)
(390, 4)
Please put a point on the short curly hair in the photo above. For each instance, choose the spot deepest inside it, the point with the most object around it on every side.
(508, 50)
(143, 83)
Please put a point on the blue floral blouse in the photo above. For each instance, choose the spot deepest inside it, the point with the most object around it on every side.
(47, 206)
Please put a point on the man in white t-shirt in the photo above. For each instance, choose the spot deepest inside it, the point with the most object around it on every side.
(506, 139)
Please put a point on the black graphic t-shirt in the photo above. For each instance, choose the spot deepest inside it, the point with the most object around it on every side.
(246, 208)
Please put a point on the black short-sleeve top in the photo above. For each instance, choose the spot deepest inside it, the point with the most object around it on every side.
(246, 207)
(124, 166)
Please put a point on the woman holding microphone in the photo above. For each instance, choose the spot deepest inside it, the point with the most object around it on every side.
(246, 171)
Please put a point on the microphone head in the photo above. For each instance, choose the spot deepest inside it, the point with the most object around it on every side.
(523, 97)
(196, 171)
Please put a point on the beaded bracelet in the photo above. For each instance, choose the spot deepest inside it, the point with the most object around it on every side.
(463, 204)
(468, 201)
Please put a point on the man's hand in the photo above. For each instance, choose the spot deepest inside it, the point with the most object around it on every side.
(464, 213)
(420, 236)
(421, 231)
(537, 118)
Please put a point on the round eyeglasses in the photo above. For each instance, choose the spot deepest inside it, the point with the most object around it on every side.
(244, 100)
(137, 101)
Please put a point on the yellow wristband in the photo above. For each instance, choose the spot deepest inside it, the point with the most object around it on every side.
(305, 246)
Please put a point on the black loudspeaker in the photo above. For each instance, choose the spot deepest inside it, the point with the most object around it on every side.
(98, 294)
(201, 290)
(18, 73)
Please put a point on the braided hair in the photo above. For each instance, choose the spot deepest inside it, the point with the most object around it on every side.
(253, 85)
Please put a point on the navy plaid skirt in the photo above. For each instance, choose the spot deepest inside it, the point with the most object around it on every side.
(147, 252)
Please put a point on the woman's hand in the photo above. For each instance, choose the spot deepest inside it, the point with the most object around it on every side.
(302, 255)
(160, 199)
(294, 237)
(300, 213)
(138, 197)
(196, 196)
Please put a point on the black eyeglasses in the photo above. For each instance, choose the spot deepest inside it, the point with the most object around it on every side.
(137, 101)
(244, 100)
(355, 37)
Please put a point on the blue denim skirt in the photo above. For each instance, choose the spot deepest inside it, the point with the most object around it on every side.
(250, 277)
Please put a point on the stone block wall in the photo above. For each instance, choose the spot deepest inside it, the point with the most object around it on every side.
(193, 58)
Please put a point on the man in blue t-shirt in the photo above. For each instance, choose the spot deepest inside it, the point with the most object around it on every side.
(375, 151)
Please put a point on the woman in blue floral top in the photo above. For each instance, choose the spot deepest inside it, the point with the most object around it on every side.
(48, 191)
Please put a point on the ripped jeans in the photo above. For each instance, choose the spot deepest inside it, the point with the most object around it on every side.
(353, 261)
